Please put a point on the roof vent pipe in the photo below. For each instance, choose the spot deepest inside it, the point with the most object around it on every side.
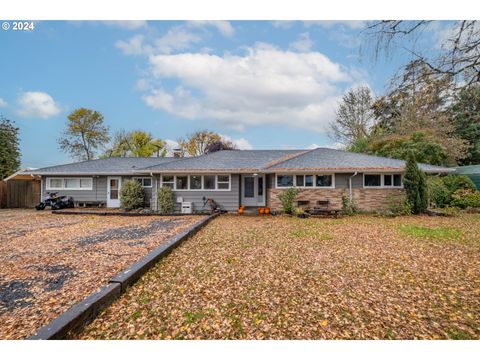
(177, 153)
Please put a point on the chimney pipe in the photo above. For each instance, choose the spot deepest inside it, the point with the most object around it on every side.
(177, 153)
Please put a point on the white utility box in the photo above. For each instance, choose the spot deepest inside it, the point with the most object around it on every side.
(187, 207)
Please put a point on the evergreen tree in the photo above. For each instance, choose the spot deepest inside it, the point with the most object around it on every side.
(9, 148)
(415, 183)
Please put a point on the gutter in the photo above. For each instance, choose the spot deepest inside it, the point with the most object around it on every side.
(350, 186)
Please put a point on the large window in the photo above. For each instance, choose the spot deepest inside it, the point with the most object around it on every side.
(323, 181)
(168, 181)
(372, 180)
(69, 184)
(182, 182)
(284, 180)
(305, 181)
(209, 182)
(146, 182)
(197, 182)
(382, 180)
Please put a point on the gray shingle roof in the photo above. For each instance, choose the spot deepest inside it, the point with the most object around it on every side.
(331, 159)
(320, 159)
(111, 166)
(236, 160)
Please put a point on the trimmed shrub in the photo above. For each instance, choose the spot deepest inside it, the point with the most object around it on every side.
(396, 205)
(415, 183)
(287, 197)
(465, 198)
(441, 189)
(132, 195)
(457, 182)
(165, 200)
(438, 192)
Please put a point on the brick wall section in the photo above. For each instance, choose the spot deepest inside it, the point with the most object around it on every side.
(364, 199)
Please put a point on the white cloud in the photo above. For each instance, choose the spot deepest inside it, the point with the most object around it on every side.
(134, 46)
(177, 38)
(265, 86)
(352, 24)
(224, 27)
(283, 24)
(303, 44)
(37, 104)
(345, 39)
(127, 24)
(336, 146)
(3, 103)
(240, 143)
(143, 85)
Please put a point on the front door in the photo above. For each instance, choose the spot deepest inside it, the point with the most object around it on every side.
(253, 190)
(113, 191)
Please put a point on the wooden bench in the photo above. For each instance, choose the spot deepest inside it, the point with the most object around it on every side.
(323, 208)
(86, 204)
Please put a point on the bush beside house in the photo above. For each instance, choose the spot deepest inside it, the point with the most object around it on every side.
(441, 191)
(165, 200)
(132, 195)
(287, 197)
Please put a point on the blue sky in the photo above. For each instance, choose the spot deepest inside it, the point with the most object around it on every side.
(263, 84)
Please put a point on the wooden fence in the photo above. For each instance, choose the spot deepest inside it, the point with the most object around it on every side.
(3, 194)
(22, 193)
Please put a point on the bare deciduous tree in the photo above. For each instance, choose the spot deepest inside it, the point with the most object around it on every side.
(459, 57)
(354, 116)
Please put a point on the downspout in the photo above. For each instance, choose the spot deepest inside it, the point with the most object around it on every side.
(350, 186)
(153, 204)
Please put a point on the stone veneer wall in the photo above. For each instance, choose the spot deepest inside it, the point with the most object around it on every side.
(364, 199)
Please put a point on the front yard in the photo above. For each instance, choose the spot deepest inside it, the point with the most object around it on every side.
(50, 262)
(357, 277)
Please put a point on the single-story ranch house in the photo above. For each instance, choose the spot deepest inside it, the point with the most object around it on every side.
(231, 178)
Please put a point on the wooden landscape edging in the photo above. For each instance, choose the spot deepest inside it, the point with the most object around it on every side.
(112, 213)
(75, 318)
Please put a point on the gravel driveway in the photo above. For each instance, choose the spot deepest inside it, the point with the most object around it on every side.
(50, 262)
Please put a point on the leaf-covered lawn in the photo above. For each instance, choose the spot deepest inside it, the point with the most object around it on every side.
(288, 278)
(50, 262)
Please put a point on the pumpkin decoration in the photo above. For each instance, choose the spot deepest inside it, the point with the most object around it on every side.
(261, 211)
(267, 211)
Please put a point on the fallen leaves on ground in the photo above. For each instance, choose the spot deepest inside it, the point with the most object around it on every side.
(356, 277)
(50, 262)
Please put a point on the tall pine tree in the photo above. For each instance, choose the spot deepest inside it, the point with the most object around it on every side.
(9, 148)
(415, 183)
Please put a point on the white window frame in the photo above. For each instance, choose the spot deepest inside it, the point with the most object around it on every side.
(305, 187)
(223, 182)
(382, 181)
(63, 179)
(143, 178)
(202, 182)
(136, 178)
